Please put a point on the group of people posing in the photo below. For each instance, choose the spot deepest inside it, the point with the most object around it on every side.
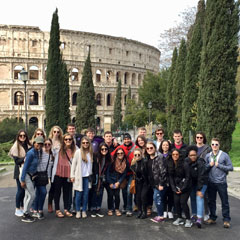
(80, 167)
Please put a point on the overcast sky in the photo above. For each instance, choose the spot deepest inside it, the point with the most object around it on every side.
(141, 20)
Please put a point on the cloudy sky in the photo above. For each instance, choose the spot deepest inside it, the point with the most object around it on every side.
(141, 20)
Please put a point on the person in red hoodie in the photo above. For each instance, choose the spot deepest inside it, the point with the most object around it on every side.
(128, 146)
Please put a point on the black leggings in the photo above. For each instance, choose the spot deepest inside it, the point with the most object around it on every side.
(168, 200)
(113, 197)
(180, 203)
(59, 184)
(141, 196)
(51, 194)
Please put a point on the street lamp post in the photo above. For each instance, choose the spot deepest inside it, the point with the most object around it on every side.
(24, 78)
(149, 111)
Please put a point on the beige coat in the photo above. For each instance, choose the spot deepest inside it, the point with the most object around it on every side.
(76, 171)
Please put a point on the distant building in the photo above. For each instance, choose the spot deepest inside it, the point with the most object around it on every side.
(112, 58)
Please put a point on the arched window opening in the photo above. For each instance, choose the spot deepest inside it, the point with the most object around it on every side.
(33, 72)
(16, 72)
(133, 79)
(33, 121)
(126, 77)
(125, 100)
(18, 98)
(109, 100)
(118, 76)
(98, 75)
(74, 74)
(73, 120)
(99, 99)
(139, 79)
(109, 75)
(33, 99)
(74, 99)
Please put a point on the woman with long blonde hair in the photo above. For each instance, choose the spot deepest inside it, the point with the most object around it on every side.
(37, 133)
(80, 172)
(56, 134)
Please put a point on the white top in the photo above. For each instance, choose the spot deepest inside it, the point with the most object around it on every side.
(87, 167)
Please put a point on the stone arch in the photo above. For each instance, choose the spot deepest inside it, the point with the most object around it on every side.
(109, 99)
(109, 75)
(33, 99)
(33, 121)
(74, 99)
(139, 79)
(33, 73)
(18, 98)
(126, 78)
(99, 99)
(118, 76)
(133, 78)
(73, 119)
(74, 74)
(98, 75)
(16, 71)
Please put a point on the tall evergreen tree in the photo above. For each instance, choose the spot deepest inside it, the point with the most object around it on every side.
(178, 85)
(172, 72)
(117, 113)
(129, 98)
(64, 110)
(217, 89)
(193, 62)
(53, 75)
(86, 102)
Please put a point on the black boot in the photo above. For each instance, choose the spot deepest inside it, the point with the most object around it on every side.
(144, 215)
(139, 214)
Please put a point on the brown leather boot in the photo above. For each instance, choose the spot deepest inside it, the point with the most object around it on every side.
(50, 209)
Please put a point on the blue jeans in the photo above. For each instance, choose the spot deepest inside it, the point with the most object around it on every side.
(221, 189)
(127, 196)
(158, 197)
(19, 195)
(197, 203)
(41, 192)
(81, 198)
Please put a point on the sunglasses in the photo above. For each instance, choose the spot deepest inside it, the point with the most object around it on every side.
(120, 153)
(199, 137)
(85, 142)
(137, 155)
(68, 139)
(159, 133)
(47, 144)
(215, 144)
(104, 149)
(39, 134)
(150, 148)
(22, 135)
(55, 131)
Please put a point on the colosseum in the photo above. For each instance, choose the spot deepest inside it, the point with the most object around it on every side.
(112, 58)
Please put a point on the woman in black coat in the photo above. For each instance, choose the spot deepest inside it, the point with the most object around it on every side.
(180, 181)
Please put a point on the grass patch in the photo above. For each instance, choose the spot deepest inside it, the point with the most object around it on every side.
(235, 151)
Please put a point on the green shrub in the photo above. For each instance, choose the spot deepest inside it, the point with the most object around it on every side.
(4, 149)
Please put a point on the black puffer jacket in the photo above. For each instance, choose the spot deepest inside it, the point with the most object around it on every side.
(140, 171)
(179, 175)
(198, 173)
(159, 170)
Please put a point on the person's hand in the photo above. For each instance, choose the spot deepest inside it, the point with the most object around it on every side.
(23, 184)
(160, 188)
(115, 142)
(117, 184)
(216, 164)
(211, 163)
(73, 179)
(111, 186)
(199, 193)
(178, 192)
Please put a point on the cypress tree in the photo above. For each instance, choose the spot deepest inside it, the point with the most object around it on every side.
(178, 85)
(193, 62)
(86, 103)
(53, 75)
(169, 90)
(64, 111)
(217, 89)
(129, 97)
(117, 113)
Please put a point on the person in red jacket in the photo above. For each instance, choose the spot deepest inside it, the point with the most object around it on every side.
(128, 146)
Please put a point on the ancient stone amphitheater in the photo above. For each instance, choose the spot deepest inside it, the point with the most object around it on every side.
(113, 58)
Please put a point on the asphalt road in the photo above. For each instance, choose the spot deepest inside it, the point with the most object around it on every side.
(11, 227)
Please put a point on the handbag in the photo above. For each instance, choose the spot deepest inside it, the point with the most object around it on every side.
(123, 184)
(42, 177)
(133, 186)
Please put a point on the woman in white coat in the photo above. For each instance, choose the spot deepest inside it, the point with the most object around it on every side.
(80, 172)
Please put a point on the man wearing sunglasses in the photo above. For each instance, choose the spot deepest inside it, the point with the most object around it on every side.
(159, 133)
(218, 164)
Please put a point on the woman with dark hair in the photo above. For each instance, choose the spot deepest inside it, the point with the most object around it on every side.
(101, 160)
(80, 173)
(141, 142)
(203, 150)
(18, 152)
(199, 177)
(116, 173)
(61, 174)
(138, 166)
(180, 181)
(165, 150)
(45, 163)
(157, 177)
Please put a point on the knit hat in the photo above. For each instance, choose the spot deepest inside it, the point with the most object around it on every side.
(39, 139)
(127, 135)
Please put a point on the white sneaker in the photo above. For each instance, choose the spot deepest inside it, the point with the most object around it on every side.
(170, 215)
(206, 217)
(188, 223)
(19, 213)
(84, 215)
(165, 214)
(178, 222)
(78, 215)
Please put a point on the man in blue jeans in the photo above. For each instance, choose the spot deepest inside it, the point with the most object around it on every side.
(218, 164)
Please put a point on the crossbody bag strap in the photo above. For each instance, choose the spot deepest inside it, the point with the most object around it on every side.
(68, 158)
(131, 150)
(48, 162)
